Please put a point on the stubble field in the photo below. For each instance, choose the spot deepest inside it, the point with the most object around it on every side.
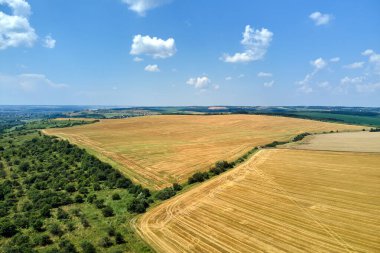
(159, 150)
(357, 141)
(281, 200)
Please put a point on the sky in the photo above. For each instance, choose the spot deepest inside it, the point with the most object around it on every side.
(190, 52)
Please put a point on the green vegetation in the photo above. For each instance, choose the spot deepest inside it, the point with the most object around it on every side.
(55, 197)
(53, 123)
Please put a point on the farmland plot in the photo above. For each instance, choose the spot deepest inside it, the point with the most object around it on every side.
(281, 200)
(353, 141)
(159, 150)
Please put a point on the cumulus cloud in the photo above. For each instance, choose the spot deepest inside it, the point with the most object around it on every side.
(373, 59)
(355, 65)
(15, 29)
(141, 6)
(49, 42)
(199, 82)
(320, 19)
(335, 59)
(264, 74)
(153, 46)
(29, 82)
(152, 68)
(318, 63)
(255, 43)
(269, 84)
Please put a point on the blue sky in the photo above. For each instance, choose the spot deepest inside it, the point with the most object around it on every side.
(190, 52)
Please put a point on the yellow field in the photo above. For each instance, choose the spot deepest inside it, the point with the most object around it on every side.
(279, 201)
(354, 141)
(158, 150)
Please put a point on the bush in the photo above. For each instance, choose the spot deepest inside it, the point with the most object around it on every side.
(7, 229)
(87, 247)
(70, 188)
(107, 211)
(78, 199)
(61, 214)
(105, 242)
(85, 222)
(111, 231)
(66, 246)
(99, 203)
(38, 225)
(177, 187)
(116, 196)
(55, 229)
(198, 177)
(166, 193)
(119, 238)
(138, 205)
(43, 240)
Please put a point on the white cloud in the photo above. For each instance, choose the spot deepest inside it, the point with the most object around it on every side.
(353, 80)
(319, 63)
(153, 46)
(241, 76)
(152, 68)
(320, 19)
(216, 87)
(199, 82)
(355, 65)
(368, 52)
(49, 42)
(255, 43)
(374, 60)
(269, 84)
(228, 78)
(305, 84)
(264, 74)
(29, 82)
(306, 89)
(335, 59)
(324, 84)
(15, 29)
(141, 6)
(368, 87)
(138, 59)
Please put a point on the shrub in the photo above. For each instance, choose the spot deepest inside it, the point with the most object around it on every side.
(61, 214)
(87, 247)
(116, 196)
(99, 203)
(166, 193)
(55, 229)
(38, 225)
(105, 242)
(85, 222)
(43, 240)
(177, 187)
(198, 177)
(111, 231)
(66, 246)
(119, 238)
(7, 229)
(78, 199)
(107, 211)
(138, 205)
(70, 188)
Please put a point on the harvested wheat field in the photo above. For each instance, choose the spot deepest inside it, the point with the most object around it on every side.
(353, 141)
(279, 201)
(159, 150)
